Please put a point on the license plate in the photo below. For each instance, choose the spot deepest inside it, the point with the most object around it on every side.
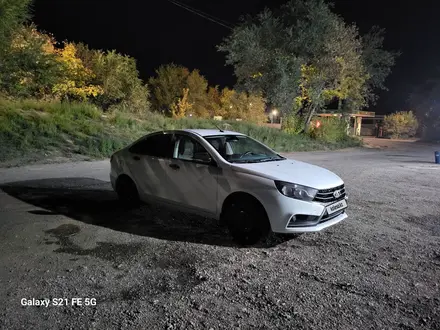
(336, 207)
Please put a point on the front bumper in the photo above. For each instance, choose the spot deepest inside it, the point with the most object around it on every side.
(317, 227)
(294, 216)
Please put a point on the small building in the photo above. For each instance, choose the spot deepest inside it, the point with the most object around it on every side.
(361, 123)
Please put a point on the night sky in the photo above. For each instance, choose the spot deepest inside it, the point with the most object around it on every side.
(158, 32)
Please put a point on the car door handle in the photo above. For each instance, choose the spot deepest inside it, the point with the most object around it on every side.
(136, 158)
(174, 166)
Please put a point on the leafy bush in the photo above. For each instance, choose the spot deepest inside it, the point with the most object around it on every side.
(293, 124)
(330, 130)
(402, 124)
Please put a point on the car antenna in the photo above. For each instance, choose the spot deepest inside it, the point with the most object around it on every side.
(219, 128)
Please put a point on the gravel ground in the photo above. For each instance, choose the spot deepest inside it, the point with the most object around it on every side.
(64, 235)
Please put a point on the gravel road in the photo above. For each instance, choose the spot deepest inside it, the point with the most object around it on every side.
(64, 235)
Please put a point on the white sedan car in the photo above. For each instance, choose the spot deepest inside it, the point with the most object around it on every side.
(231, 177)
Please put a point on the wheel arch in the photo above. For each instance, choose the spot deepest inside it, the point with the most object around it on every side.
(124, 176)
(240, 195)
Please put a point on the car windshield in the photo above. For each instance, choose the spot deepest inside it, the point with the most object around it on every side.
(242, 149)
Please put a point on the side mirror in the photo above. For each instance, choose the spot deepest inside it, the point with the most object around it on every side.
(203, 157)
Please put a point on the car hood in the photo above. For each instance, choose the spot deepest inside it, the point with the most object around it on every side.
(293, 171)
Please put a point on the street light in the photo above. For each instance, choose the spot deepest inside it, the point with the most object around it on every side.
(274, 113)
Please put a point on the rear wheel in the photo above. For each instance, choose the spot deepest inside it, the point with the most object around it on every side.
(246, 220)
(127, 191)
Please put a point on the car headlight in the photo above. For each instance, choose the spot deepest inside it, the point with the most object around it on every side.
(296, 191)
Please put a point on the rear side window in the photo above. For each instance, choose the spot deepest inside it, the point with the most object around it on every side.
(159, 145)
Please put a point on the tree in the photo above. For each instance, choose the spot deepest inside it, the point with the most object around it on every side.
(301, 57)
(118, 77)
(77, 79)
(378, 62)
(30, 66)
(182, 106)
(240, 105)
(168, 85)
(13, 13)
(198, 94)
(166, 88)
(213, 102)
(256, 111)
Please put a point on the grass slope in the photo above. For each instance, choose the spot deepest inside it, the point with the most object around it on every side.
(33, 130)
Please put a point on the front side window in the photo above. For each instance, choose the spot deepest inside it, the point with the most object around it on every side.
(242, 149)
(158, 145)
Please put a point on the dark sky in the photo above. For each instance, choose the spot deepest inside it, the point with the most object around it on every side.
(157, 32)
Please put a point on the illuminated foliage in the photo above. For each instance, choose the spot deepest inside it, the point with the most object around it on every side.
(401, 124)
(167, 86)
(30, 66)
(76, 82)
(236, 105)
(182, 106)
(119, 79)
(169, 83)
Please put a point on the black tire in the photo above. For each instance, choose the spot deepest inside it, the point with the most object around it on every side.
(127, 192)
(246, 220)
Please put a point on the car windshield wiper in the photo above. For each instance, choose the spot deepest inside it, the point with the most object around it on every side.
(270, 159)
(243, 161)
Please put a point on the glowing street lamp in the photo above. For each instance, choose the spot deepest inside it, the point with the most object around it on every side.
(274, 114)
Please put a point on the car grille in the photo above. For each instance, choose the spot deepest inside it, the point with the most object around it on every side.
(327, 195)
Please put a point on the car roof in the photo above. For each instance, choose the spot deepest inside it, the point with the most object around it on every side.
(210, 132)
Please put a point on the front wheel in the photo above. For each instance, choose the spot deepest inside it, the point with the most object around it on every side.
(127, 192)
(247, 221)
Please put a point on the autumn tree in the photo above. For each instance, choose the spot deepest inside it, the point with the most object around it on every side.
(256, 111)
(182, 106)
(240, 105)
(401, 124)
(198, 94)
(213, 105)
(77, 79)
(167, 86)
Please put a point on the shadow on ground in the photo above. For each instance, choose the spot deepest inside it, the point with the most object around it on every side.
(94, 202)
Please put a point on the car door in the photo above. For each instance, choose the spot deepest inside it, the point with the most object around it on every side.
(193, 175)
(149, 162)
